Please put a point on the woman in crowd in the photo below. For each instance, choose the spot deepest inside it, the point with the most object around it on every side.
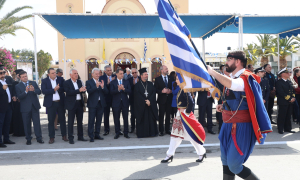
(296, 79)
(175, 89)
(185, 127)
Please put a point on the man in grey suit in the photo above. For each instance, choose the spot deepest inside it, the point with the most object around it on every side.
(27, 92)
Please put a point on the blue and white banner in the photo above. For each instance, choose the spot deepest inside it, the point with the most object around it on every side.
(191, 71)
(145, 49)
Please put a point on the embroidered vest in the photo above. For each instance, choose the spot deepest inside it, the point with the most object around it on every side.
(234, 98)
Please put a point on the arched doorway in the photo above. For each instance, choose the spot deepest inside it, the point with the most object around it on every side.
(155, 66)
(123, 56)
(90, 66)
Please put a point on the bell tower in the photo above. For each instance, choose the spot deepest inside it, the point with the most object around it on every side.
(70, 6)
(181, 6)
(75, 48)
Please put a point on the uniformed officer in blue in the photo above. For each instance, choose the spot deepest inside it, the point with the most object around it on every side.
(264, 84)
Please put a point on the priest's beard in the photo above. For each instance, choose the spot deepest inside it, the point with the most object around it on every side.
(231, 68)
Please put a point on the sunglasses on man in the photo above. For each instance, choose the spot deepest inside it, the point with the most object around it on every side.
(2, 73)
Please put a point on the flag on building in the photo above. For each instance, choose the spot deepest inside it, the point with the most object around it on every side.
(191, 71)
(103, 54)
(145, 50)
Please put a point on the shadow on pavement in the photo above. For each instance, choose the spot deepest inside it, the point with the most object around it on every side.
(159, 171)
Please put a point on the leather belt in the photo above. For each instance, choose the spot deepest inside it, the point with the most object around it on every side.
(78, 100)
(56, 101)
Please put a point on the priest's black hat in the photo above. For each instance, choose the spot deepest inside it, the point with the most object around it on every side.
(1, 66)
(18, 71)
(143, 70)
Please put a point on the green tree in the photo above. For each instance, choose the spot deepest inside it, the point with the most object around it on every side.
(287, 47)
(265, 47)
(43, 62)
(8, 22)
(25, 55)
(297, 39)
(251, 59)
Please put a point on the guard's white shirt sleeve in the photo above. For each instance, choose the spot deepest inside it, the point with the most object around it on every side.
(237, 84)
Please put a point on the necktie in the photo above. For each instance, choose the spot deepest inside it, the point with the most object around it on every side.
(120, 82)
(208, 93)
(166, 82)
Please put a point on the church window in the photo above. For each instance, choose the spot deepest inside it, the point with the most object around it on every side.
(124, 11)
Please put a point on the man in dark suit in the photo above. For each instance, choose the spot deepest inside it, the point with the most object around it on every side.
(74, 104)
(132, 81)
(96, 103)
(107, 78)
(27, 93)
(53, 89)
(119, 89)
(6, 95)
(285, 99)
(163, 85)
(272, 83)
(205, 103)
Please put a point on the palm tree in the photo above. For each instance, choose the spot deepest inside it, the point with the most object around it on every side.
(8, 22)
(250, 49)
(287, 47)
(297, 39)
(264, 48)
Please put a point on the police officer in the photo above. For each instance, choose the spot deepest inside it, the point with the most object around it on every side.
(285, 99)
(264, 84)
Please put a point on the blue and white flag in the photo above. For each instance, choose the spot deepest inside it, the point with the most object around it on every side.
(190, 70)
(145, 50)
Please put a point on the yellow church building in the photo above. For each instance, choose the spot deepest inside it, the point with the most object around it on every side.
(115, 49)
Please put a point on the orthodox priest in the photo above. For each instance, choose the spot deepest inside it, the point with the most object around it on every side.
(145, 108)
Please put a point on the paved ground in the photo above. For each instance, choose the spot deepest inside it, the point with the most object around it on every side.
(140, 158)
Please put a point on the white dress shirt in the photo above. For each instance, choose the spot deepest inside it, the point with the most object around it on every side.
(55, 95)
(78, 97)
(7, 90)
(164, 78)
(96, 86)
(119, 81)
(238, 83)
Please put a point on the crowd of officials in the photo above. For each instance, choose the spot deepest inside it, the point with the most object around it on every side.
(67, 100)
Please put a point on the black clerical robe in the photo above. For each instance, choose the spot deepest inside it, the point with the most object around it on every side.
(146, 116)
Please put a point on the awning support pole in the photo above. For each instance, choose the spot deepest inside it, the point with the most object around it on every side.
(240, 33)
(278, 52)
(65, 64)
(35, 52)
(203, 50)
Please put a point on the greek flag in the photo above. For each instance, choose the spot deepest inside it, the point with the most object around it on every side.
(190, 70)
(145, 50)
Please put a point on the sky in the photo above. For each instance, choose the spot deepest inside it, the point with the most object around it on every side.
(218, 43)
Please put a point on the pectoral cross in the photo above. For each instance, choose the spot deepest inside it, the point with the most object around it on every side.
(146, 93)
